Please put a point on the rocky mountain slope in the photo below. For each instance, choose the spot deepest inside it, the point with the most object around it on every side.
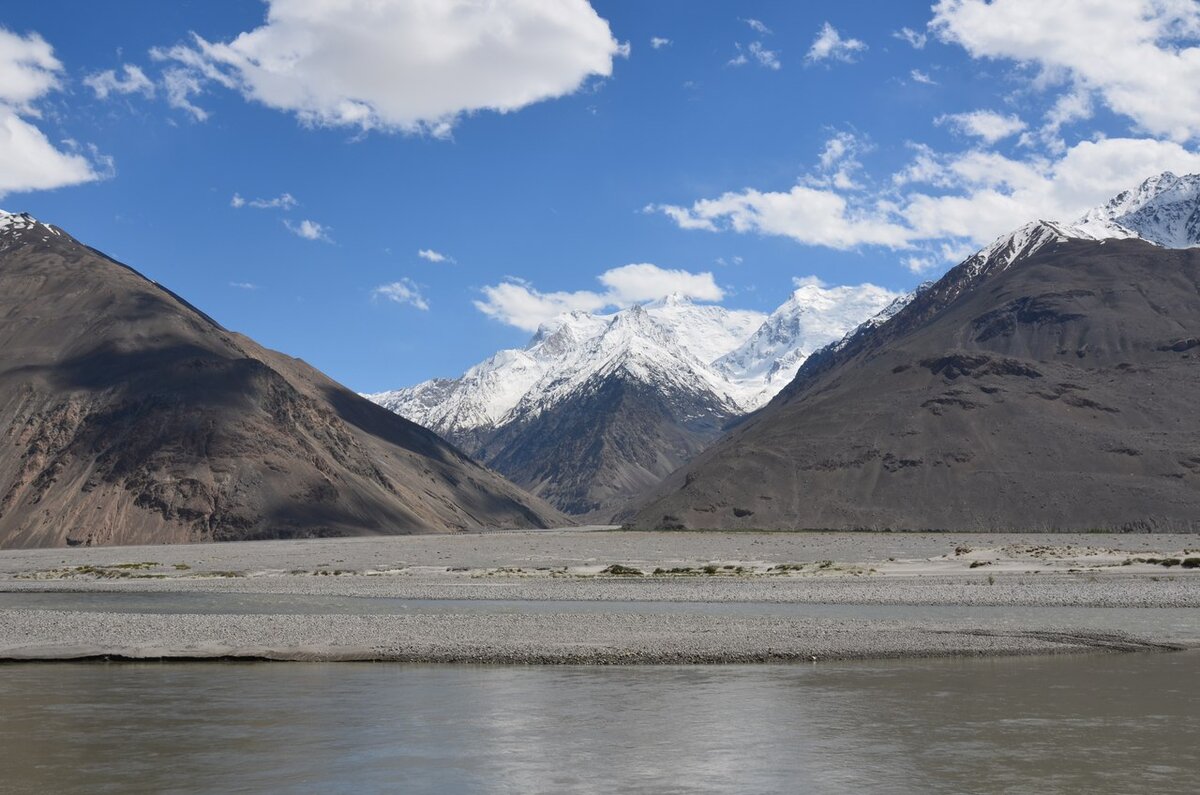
(1047, 382)
(129, 416)
(598, 408)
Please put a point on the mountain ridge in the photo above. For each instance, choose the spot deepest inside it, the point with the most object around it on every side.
(1042, 383)
(678, 370)
(130, 416)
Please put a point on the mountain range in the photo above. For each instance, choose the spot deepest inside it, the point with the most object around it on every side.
(129, 416)
(597, 408)
(1047, 382)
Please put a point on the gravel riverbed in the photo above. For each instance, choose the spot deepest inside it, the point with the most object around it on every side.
(700, 597)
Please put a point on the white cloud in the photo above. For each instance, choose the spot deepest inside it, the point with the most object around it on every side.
(917, 40)
(986, 125)
(816, 216)
(758, 27)
(518, 304)
(1140, 57)
(284, 201)
(434, 256)
(243, 285)
(404, 291)
(28, 69)
(829, 44)
(768, 59)
(107, 82)
(181, 85)
(631, 284)
(765, 57)
(309, 230)
(922, 77)
(407, 65)
(839, 162)
(28, 161)
(994, 194)
(658, 42)
(979, 196)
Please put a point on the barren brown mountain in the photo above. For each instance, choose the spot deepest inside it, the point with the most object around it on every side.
(128, 416)
(1052, 388)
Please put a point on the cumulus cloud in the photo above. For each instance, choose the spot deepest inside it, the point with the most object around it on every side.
(987, 125)
(922, 77)
(631, 284)
(829, 45)
(400, 65)
(433, 256)
(517, 303)
(28, 161)
(658, 42)
(975, 196)
(309, 230)
(284, 201)
(1141, 58)
(131, 81)
(404, 291)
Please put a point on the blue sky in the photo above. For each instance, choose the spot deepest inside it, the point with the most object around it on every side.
(758, 142)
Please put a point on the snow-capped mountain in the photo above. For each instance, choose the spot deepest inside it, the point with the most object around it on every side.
(597, 407)
(812, 317)
(739, 356)
(675, 370)
(1164, 209)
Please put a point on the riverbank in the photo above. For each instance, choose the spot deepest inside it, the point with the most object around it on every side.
(605, 597)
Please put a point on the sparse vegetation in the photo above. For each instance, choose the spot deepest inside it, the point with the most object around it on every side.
(618, 570)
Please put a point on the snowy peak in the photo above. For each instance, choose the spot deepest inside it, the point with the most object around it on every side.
(1165, 209)
(20, 225)
(1007, 249)
(814, 316)
(736, 359)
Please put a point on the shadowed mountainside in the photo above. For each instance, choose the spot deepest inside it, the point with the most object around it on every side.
(128, 416)
(1056, 392)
